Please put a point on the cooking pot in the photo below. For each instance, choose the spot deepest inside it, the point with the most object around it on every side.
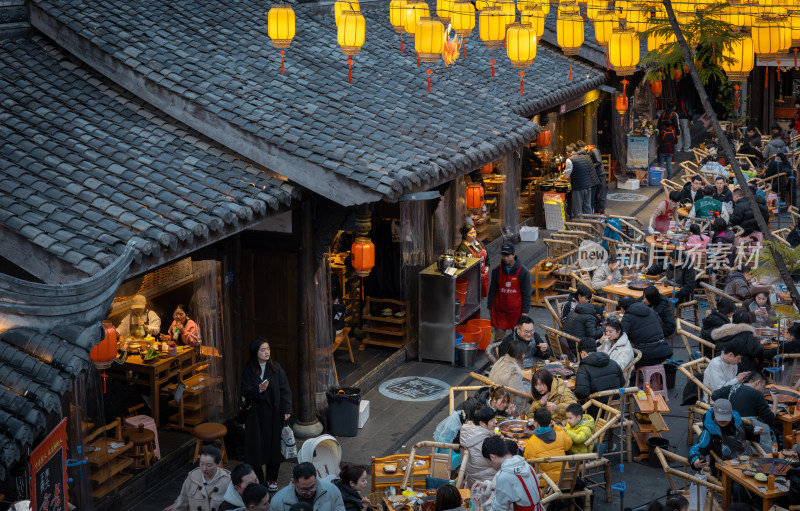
(562, 187)
(546, 185)
(446, 260)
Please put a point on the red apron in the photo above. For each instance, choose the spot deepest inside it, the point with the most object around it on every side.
(532, 507)
(661, 223)
(507, 305)
(481, 254)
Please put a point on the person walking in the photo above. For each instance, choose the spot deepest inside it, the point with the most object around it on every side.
(667, 139)
(580, 170)
(509, 292)
(266, 391)
(204, 487)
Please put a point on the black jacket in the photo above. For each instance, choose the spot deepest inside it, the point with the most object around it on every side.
(667, 140)
(597, 161)
(745, 336)
(711, 322)
(686, 194)
(744, 217)
(524, 284)
(532, 352)
(583, 174)
(597, 372)
(665, 314)
(567, 308)
(583, 322)
(747, 401)
(351, 498)
(749, 149)
(673, 116)
(643, 327)
(265, 420)
(683, 276)
(725, 196)
(471, 404)
(794, 237)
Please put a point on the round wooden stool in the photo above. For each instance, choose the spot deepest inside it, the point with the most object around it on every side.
(143, 451)
(209, 432)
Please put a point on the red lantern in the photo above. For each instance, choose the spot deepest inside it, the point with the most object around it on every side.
(622, 104)
(656, 87)
(676, 74)
(474, 196)
(543, 138)
(486, 169)
(362, 256)
(103, 354)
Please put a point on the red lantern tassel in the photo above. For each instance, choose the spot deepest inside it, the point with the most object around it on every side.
(401, 43)
(522, 82)
(350, 68)
(493, 68)
(429, 79)
(417, 59)
(105, 380)
(624, 87)
(736, 98)
(570, 69)
(795, 58)
(464, 48)
(778, 72)
(766, 78)
(282, 54)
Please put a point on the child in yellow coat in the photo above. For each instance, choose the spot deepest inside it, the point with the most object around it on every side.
(580, 427)
(545, 442)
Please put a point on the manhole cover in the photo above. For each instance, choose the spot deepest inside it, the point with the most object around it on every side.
(414, 388)
(627, 197)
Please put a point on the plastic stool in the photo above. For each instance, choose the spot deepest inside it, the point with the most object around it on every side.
(645, 375)
(143, 446)
(209, 432)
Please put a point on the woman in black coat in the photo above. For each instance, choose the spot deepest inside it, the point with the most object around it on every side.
(265, 389)
(653, 299)
(352, 481)
(644, 331)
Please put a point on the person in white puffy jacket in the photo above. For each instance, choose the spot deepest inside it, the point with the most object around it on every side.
(516, 485)
(615, 343)
(472, 435)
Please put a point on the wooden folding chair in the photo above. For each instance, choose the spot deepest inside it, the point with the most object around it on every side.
(614, 400)
(713, 293)
(696, 410)
(712, 489)
(607, 418)
(573, 468)
(553, 304)
(557, 335)
(440, 463)
(465, 389)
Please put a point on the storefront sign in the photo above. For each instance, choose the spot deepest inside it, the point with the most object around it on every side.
(49, 471)
(638, 152)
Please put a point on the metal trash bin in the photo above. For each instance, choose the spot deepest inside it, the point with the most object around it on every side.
(343, 403)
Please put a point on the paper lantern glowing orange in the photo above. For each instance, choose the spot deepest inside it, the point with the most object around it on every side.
(543, 138)
(474, 196)
(656, 87)
(104, 353)
(362, 256)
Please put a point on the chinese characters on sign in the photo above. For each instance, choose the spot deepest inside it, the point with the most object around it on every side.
(49, 471)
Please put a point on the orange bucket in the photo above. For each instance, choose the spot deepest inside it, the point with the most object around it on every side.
(486, 331)
(461, 290)
(471, 333)
(461, 296)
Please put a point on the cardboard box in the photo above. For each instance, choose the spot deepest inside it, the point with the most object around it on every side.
(630, 184)
(363, 413)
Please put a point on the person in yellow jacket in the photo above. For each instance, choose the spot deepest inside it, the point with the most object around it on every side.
(547, 441)
(580, 427)
(550, 393)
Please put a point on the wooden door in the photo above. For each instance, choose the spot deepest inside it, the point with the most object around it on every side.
(269, 307)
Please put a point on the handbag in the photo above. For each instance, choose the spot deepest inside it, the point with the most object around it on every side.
(288, 445)
(243, 413)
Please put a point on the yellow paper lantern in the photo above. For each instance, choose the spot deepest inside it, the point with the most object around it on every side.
(742, 51)
(344, 5)
(594, 7)
(569, 29)
(281, 25)
(622, 7)
(534, 16)
(604, 23)
(483, 4)
(544, 4)
(772, 37)
(350, 35)
(520, 45)
(415, 11)
(444, 10)
(492, 27)
(429, 39)
(397, 12)
(655, 41)
(684, 6)
(522, 4)
(638, 20)
(509, 9)
(623, 51)
(463, 18)
(794, 27)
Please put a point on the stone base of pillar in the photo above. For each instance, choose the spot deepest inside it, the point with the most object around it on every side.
(307, 429)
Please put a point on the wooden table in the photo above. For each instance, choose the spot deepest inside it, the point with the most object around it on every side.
(527, 375)
(622, 289)
(787, 421)
(731, 473)
(652, 241)
(653, 406)
(154, 374)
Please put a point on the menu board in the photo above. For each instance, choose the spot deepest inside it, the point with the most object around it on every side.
(49, 471)
(638, 152)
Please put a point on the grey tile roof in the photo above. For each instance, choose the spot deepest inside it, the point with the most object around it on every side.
(85, 169)
(383, 133)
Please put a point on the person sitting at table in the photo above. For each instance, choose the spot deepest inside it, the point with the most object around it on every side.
(759, 307)
(607, 274)
(680, 271)
(666, 211)
(753, 137)
(580, 428)
(615, 344)
(653, 299)
(507, 371)
(182, 330)
(775, 146)
(721, 191)
(739, 284)
(495, 397)
(708, 206)
(596, 372)
(448, 498)
(747, 398)
(715, 319)
(743, 216)
(140, 321)
(692, 191)
(723, 369)
(697, 240)
(550, 393)
(581, 295)
(472, 435)
(643, 328)
(723, 433)
(723, 239)
(515, 486)
(748, 148)
(741, 333)
(525, 332)
(547, 441)
(583, 323)
(712, 166)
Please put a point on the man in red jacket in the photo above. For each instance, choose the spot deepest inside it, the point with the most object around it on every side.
(667, 139)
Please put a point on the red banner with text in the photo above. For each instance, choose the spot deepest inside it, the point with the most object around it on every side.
(49, 471)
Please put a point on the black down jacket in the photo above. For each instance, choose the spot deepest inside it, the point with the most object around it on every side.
(597, 372)
(711, 322)
(745, 336)
(583, 322)
(744, 217)
(667, 317)
(644, 331)
(583, 174)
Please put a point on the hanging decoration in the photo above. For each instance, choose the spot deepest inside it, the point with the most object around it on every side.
(534, 16)
(483, 4)
(344, 5)
(622, 7)
(742, 53)
(604, 23)
(543, 138)
(104, 353)
(362, 256)
(280, 27)
(397, 13)
(444, 10)
(415, 11)
(623, 51)
(509, 10)
(621, 102)
(595, 7)
(475, 196)
(544, 4)
(429, 43)
(486, 169)
(521, 49)
(350, 35)
(656, 88)
(569, 31)
(772, 37)
(463, 21)
(492, 29)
